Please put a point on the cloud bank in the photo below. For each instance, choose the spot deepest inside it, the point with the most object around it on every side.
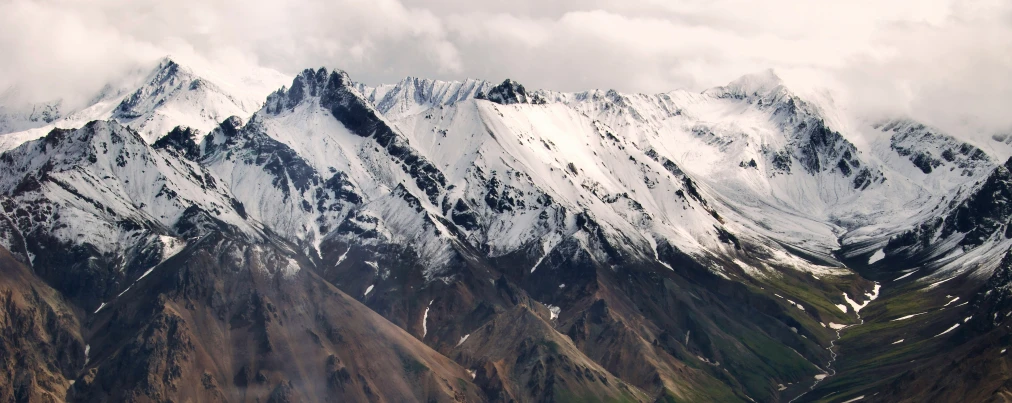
(945, 61)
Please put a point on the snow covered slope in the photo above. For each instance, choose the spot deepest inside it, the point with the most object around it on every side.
(782, 166)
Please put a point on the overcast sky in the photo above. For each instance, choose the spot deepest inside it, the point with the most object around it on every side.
(947, 60)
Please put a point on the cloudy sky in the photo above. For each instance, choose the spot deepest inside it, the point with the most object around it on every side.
(946, 60)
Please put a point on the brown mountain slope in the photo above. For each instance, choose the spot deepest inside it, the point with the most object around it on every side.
(40, 344)
(519, 357)
(227, 320)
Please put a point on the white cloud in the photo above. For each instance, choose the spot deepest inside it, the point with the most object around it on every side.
(947, 61)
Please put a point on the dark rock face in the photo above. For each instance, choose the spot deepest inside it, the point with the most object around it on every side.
(509, 93)
(180, 140)
(986, 211)
(921, 236)
(992, 304)
(820, 148)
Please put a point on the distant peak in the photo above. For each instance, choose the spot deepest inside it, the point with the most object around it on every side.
(763, 80)
(510, 92)
(759, 84)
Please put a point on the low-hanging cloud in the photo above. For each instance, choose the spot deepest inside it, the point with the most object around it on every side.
(944, 61)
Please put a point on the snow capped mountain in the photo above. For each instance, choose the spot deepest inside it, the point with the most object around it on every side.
(175, 96)
(694, 246)
(97, 197)
(169, 95)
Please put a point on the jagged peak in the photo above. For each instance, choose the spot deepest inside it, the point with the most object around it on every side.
(510, 92)
(306, 85)
(168, 68)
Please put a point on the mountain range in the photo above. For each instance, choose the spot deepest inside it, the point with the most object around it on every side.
(189, 237)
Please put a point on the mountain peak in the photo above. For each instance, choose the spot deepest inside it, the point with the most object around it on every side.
(308, 84)
(510, 92)
(761, 84)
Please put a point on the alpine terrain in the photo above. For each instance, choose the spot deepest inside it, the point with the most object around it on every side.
(192, 236)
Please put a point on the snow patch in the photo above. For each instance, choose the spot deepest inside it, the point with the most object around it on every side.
(950, 301)
(938, 283)
(898, 341)
(855, 399)
(836, 326)
(463, 339)
(291, 268)
(905, 275)
(907, 317)
(340, 259)
(871, 297)
(554, 311)
(875, 257)
(425, 320)
(368, 290)
(947, 330)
